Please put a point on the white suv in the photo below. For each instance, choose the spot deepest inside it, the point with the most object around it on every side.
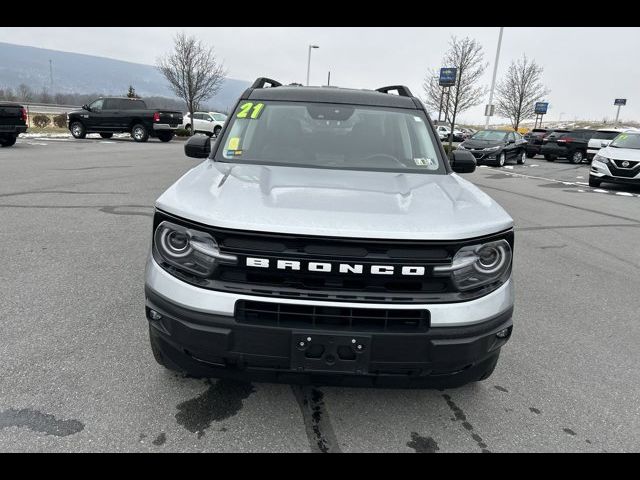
(602, 139)
(327, 236)
(204, 122)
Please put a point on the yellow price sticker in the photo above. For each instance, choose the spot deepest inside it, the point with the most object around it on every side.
(233, 143)
(255, 109)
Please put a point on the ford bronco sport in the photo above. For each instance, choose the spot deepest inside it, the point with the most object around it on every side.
(327, 239)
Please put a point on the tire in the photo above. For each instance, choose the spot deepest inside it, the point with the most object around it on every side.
(522, 158)
(502, 159)
(550, 158)
(594, 182)
(216, 130)
(139, 133)
(165, 136)
(530, 154)
(188, 129)
(78, 130)
(106, 135)
(577, 157)
(8, 141)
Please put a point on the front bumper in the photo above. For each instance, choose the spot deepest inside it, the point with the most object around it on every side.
(601, 171)
(482, 156)
(198, 332)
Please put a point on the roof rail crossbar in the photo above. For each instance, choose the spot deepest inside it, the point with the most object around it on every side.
(401, 89)
(262, 81)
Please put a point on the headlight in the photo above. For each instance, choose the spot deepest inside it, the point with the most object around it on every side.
(492, 149)
(189, 250)
(478, 265)
(600, 158)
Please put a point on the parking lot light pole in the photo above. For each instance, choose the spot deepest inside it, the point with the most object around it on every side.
(309, 62)
(493, 79)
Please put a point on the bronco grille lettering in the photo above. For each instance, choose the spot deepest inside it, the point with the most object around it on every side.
(327, 267)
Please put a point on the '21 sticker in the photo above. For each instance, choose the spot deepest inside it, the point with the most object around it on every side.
(250, 110)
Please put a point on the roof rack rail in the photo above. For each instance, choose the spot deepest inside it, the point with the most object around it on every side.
(262, 81)
(401, 89)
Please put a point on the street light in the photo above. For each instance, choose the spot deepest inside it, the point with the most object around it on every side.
(309, 62)
(493, 81)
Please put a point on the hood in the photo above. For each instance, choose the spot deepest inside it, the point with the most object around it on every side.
(343, 203)
(471, 143)
(615, 153)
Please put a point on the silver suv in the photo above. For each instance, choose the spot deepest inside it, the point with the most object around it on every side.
(327, 238)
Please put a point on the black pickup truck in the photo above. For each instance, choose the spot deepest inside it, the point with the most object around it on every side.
(109, 115)
(13, 122)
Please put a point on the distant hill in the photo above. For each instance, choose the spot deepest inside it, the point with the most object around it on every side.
(79, 73)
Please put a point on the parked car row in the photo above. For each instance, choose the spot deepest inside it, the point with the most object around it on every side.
(575, 145)
(615, 152)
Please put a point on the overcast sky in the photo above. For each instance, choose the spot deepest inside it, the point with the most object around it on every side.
(585, 68)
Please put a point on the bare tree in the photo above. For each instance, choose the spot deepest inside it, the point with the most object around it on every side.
(24, 93)
(519, 91)
(44, 96)
(8, 94)
(467, 57)
(192, 71)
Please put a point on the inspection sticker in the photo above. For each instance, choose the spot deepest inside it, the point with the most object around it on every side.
(427, 162)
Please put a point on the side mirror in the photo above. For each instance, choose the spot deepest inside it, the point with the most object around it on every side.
(86, 107)
(462, 161)
(198, 146)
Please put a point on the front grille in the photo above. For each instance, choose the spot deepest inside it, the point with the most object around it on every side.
(615, 166)
(331, 318)
(303, 284)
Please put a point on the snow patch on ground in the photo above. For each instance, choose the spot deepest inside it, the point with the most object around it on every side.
(45, 135)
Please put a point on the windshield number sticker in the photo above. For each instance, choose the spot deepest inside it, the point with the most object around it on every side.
(245, 108)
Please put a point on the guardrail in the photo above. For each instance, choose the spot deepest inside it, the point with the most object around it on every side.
(48, 107)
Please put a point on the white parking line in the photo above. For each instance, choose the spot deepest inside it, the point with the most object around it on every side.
(563, 182)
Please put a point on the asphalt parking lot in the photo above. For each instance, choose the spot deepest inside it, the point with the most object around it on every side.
(77, 373)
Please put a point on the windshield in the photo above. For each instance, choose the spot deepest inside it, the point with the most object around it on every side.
(219, 117)
(333, 136)
(493, 135)
(627, 140)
